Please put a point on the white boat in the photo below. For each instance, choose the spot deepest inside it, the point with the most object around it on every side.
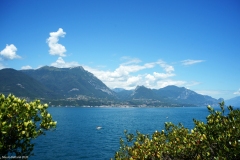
(98, 127)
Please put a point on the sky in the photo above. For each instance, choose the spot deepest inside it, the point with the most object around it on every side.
(126, 43)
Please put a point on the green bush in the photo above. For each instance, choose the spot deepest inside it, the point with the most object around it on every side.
(219, 138)
(20, 122)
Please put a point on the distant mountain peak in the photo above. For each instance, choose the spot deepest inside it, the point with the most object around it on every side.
(118, 89)
(51, 68)
(58, 68)
(173, 87)
(141, 87)
(80, 67)
(142, 92)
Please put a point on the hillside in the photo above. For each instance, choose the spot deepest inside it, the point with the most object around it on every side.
(170, 95)
(21, 85)
(71, 82)
(183, 95)
(233, 101)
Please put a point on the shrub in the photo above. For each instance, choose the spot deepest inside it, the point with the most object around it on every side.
(20, 122)
(218, 138)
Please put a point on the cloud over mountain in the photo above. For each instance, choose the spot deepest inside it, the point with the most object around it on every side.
(131, 74)
(56, 48)
(60, 63)
(9, 52)
(26, 67)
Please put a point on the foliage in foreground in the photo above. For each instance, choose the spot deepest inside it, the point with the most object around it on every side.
(219, 138)
(20, 122)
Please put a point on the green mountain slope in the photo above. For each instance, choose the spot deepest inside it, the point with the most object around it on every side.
(71, 82)
(174, 95)
(183, 95)
(21, 85)
(142, 92)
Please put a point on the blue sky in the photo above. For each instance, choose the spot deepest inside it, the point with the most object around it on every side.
(125, 43)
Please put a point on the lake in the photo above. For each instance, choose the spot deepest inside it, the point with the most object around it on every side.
(76, 136)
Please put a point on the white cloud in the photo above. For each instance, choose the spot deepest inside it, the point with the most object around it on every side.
(60, 63)
(26, 67)
(125, 75)
(192, 83)
(122, 73)
(165, 66)
(150, 77)
(56, 48)
(163, 75)
(9, 52)
(130, 60)
(237, 92)
(131, 82)
(191, 62)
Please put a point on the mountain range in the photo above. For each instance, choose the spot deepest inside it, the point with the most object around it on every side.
(78, 87)
(176, 96)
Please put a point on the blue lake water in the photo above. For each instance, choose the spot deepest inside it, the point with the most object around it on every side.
(76, 136)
